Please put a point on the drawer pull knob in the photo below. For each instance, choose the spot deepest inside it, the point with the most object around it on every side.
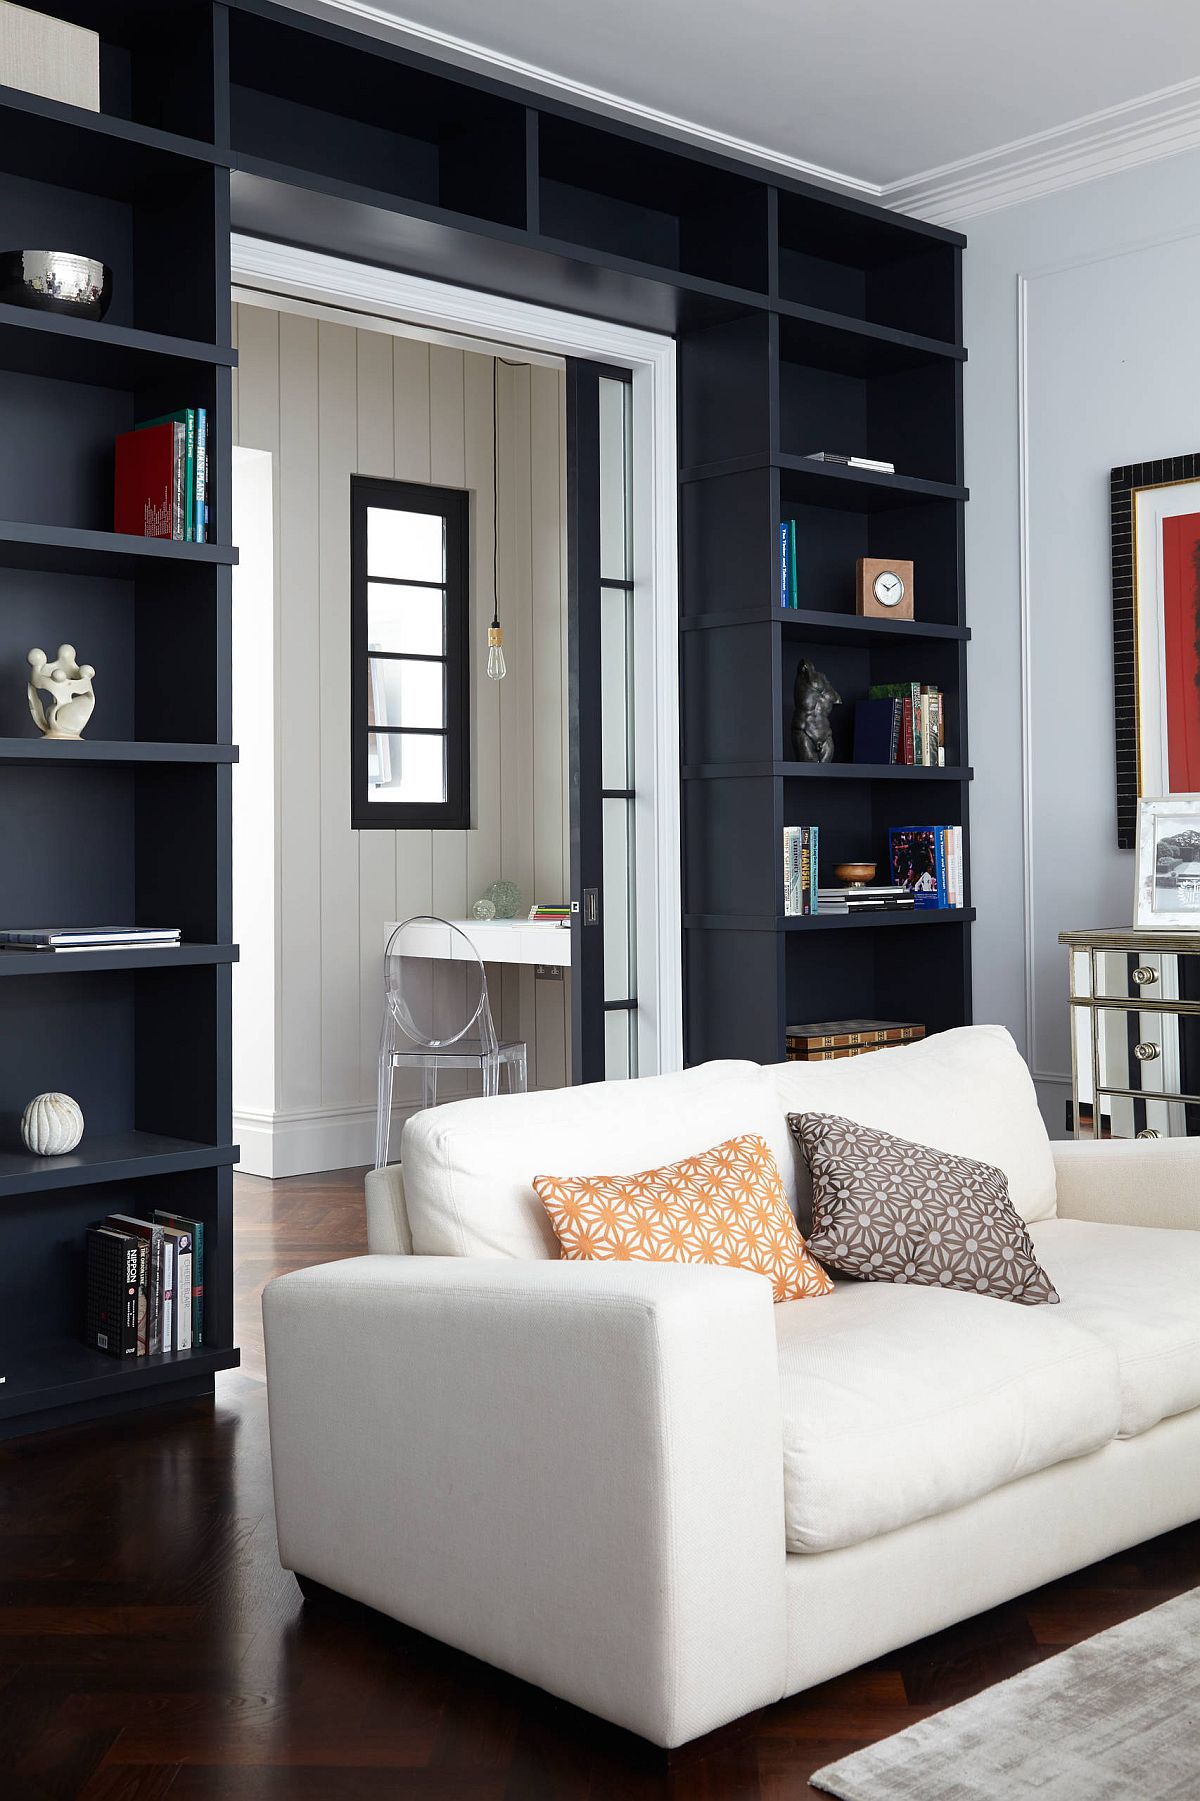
(1144, 975)
(1149, 1132)
(1146, 1053)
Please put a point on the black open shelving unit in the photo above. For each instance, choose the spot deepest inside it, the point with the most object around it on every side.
(804, 320)
(132, 824)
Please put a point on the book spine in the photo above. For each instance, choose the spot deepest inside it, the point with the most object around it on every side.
(785, 580)
(189, 473)
(180, 470)
(918, 755)
(201, 470)
(183, 1292)
(897, 724)
(167, 1314)
(814, 871)
(943, 892)
(143, 1298)
(909, 740)
(198, 1283)
(793, 597)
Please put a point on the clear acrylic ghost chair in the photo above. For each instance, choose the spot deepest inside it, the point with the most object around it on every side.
(428, 1029)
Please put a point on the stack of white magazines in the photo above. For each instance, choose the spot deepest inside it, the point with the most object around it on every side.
(89, 938)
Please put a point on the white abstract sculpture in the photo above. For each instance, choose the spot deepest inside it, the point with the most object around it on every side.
(69, 687)
(52, 1125)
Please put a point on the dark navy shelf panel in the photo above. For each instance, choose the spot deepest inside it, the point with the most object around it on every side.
(826, 772)
(109, 356)
(120, 1157)
(63, 752)
(64, 1372)
(70, 550)
(176, 956)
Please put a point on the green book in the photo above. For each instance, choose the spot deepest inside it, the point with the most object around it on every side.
(186, 416)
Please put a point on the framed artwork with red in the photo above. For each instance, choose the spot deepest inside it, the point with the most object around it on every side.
(1156, 632)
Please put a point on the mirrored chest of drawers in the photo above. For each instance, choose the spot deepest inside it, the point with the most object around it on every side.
(1135, 1033)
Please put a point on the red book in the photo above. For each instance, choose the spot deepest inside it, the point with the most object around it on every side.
(909, 744)
(148, 496)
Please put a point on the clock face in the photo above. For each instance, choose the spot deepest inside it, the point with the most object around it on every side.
(888, 589)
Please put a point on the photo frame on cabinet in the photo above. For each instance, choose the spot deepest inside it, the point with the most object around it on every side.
(1155, 523)
(1167, 896)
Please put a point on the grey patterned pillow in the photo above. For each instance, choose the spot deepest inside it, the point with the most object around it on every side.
(886, 1210)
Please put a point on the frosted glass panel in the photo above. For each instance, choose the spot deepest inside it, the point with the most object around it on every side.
(614, 688)
(408, 547)
(406, 619)
(403, 766)
(619, 976)
(614, 484)
(620, 1048)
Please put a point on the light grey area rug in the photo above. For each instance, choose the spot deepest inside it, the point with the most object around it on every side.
(1116, 1718)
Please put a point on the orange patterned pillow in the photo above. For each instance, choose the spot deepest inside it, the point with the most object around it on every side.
(724, 1206)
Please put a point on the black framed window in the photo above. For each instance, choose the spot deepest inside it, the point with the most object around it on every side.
(410, 661)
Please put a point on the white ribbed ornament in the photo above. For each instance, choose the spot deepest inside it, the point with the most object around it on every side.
(51, 1125)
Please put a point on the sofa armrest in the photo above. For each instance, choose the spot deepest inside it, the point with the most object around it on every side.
(571, 1470)
(1130, 1182)
(387, 1211)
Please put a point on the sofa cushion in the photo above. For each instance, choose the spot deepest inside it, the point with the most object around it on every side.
(1138, 1289)
(469, 1166)
(966, 1091)
(887, 1210)
(901, 1402)
(723, 1207)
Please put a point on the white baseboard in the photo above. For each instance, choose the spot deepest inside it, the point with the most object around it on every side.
(305, 1143)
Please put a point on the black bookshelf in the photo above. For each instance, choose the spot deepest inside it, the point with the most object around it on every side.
(140, 809)
(804, 320)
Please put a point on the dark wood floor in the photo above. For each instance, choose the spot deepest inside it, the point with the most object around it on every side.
(151, 1646)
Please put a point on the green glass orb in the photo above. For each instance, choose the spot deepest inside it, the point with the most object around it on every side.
(506, 898)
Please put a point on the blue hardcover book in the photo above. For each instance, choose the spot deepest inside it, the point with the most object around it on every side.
(876, 730)
(785, 578)
(919, 863)
(792, 600)
(814, 878)
(201, 474)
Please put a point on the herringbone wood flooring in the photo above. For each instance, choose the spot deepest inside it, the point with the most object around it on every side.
(151, 1646)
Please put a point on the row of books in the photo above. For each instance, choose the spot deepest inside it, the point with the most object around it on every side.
(59, 939)
(926, 867)
(825, 1040)
(145, 1284)
(161, 478)
(554, 913)
(901, 722)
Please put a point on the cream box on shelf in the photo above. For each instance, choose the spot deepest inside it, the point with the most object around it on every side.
(49, 57)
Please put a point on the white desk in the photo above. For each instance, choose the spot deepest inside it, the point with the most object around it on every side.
(496, 940)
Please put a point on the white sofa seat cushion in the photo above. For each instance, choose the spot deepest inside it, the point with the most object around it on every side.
(469, 1167)
(900, 1403)
(966, 1091)
(1138, 1289)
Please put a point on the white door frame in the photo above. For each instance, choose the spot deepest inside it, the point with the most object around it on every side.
(263, 269)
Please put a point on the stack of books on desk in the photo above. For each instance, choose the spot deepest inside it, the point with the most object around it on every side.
(864, 900)
(89, 938)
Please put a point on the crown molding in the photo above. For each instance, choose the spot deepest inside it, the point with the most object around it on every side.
(1143, 130)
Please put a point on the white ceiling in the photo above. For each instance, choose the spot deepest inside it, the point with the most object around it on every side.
(876, 92)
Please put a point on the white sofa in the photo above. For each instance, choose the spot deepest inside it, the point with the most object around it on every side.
(654, 1493)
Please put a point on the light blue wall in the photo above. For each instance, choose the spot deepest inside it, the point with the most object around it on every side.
(1104, 368)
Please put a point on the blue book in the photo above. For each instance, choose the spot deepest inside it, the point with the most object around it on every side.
(785, 576)
(876, 730)
(918, 860)
(792, 600)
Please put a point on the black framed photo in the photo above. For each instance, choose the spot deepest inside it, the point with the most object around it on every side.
(1155, 519)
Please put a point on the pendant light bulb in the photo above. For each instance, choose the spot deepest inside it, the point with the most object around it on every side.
(496, 667)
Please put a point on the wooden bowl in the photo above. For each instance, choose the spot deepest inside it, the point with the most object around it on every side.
(854, 872)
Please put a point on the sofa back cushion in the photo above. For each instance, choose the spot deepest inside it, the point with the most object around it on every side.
(469, 1166)
(966, 1091)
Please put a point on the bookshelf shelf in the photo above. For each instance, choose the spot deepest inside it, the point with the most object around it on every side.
(829, 922)
(71, 550)
(108, 356)
(805, 482)
(59, 963)
(62, 753)
(820, 627)
(825, 772)
(848, 345)
(118, 1157)
(47, 140)
(63, 1373)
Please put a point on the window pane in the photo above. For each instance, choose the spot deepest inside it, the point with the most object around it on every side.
(409, 547)
(404, 766)
(619, 973)
(620, 1046)
(615, 684)
(614, 484)
(407, 694)
(411, 619)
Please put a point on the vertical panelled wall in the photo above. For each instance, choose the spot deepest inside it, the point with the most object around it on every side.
(328, 401)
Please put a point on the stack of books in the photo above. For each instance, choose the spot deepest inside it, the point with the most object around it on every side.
(823, 1040)
(57, 939)
(145, 1285)
(848, 462)
(161, 481)
(553, 913)
(901, 722)
(800, 894)
(875, 899)
(927, 860)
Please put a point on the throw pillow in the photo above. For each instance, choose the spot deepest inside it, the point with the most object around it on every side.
(886, 1210)
(724, 1206)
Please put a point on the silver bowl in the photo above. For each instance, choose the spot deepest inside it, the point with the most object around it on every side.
(55, 281)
